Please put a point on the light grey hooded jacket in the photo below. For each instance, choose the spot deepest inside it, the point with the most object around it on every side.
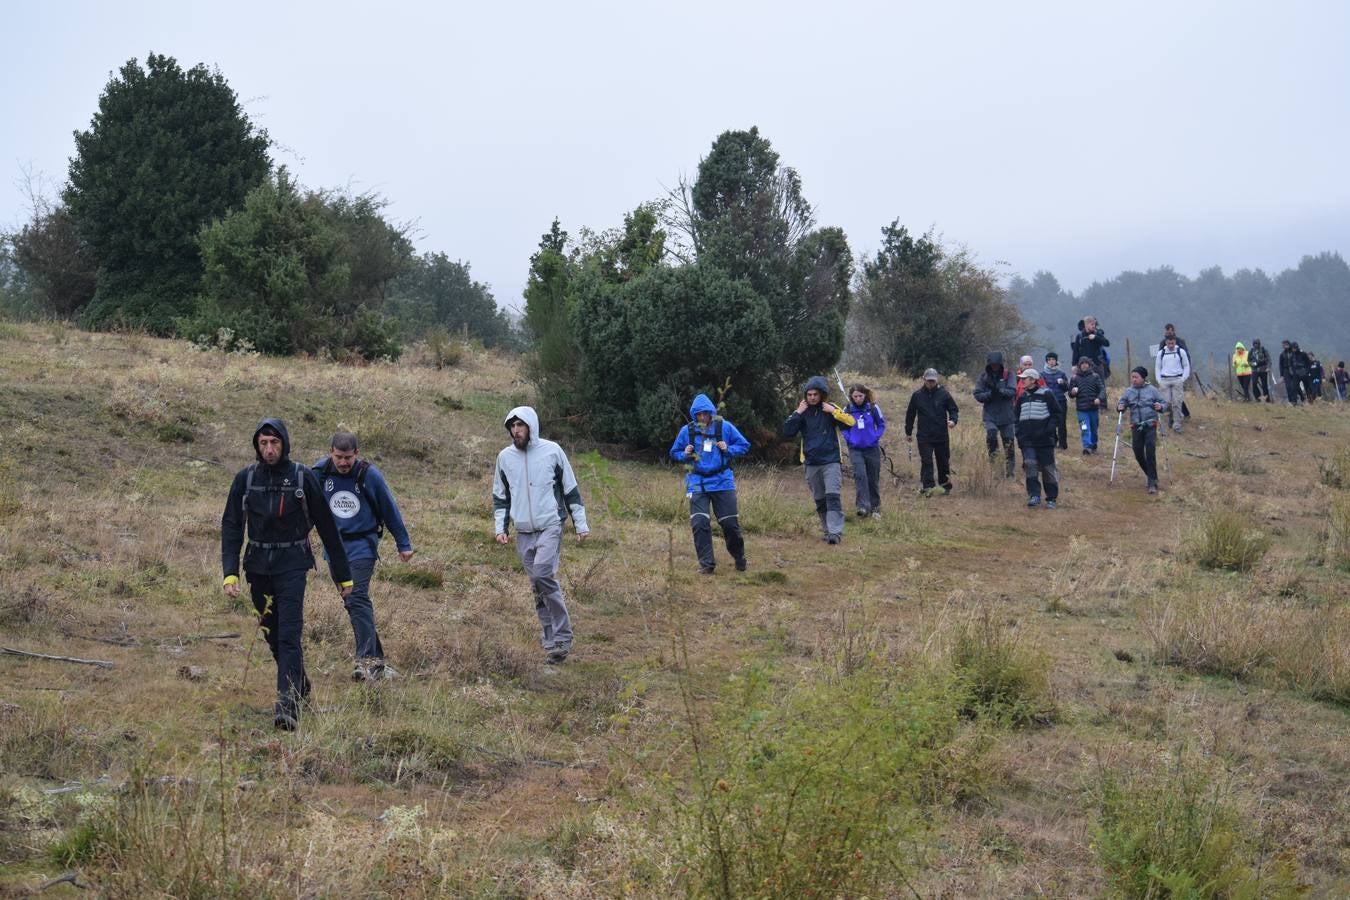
(534, 487)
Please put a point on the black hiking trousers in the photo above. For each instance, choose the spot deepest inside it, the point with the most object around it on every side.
(280, 602)
(941, 453)
(722, 504)
(1144, 442)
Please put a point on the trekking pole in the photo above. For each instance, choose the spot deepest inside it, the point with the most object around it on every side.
(1120, 417)
(1166, 467)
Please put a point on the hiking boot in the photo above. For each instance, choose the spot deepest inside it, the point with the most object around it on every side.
(741, 564)
(864, 513)
(1087, 451)
(832, 539)
(559, 653)
(284, 721)
(360, 672)
(944, 490)
(1177, 428)
(1153, 489)
(1049, 504)
(927, 492)
(707, 570)
(876, 514)
(382, 671)
(1033, 502)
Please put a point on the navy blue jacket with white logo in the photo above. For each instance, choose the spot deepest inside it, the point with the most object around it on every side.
(359, 510)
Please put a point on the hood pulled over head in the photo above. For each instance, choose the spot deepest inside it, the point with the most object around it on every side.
(817, 383)
(993, 361)
(701, 404)
(280, 428)
(527, 415)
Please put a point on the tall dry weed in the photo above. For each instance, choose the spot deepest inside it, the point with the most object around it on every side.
(1224, 538)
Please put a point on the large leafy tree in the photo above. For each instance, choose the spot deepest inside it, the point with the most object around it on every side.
(726, 287)
(438, 291)
(746, 215)
(920, 305)
(59, 265)
(301, 271)
(167, 152)
(550, 293)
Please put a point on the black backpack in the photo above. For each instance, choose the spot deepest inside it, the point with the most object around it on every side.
(299, 490)
(715, 432)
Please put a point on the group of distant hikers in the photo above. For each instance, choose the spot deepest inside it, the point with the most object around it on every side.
(274, 503)
(1300, 370)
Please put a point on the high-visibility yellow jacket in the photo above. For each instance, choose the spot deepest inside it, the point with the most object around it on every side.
(1240, 364)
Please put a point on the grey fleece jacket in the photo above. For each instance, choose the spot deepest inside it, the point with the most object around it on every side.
(534, 487)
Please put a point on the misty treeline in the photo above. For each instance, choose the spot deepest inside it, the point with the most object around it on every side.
(1309, 303)
(173, 219)
(728, 286)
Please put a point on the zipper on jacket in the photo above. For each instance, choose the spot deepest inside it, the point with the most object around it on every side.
(529, 487)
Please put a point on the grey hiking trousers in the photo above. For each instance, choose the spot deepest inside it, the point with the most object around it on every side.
(826, 482)
(539, 554)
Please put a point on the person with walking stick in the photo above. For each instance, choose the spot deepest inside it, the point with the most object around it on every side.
(1143, 402)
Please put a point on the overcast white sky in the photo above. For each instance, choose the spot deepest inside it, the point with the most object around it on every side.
(1083, 138)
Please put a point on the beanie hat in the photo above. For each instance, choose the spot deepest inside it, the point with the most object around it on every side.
(1140, 371)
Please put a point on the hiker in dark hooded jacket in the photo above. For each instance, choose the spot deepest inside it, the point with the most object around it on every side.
(1293, 384)
(818, 424)
(276, 502)
(1259, 357)
(996, 392)
(1037, 413)
(707, 446)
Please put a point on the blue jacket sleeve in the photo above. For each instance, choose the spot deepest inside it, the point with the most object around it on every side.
(388, 507)
(737, 445)
(681, 441)
(881, 420)
(793, 426)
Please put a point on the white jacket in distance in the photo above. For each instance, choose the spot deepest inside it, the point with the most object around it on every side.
(1176, 364)
(535, 487)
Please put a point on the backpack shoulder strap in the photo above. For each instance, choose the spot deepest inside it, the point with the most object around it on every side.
(248, 485)
(362, 467)
(300, 495)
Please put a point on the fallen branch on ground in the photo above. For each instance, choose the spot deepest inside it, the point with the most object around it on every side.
(71, 878)
(101, 663)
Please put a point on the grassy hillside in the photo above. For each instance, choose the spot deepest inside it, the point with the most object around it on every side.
(965, 698)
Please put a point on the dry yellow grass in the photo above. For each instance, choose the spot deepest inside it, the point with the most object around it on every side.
(485, 773)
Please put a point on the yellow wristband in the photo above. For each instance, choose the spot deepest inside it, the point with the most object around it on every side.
(231, 579)
(344, 584)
